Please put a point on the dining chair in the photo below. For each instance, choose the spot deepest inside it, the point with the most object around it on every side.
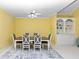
(17, 41)
(26, 41)
(46, 42)
(49, 44)
(37, 42)
(14, 38)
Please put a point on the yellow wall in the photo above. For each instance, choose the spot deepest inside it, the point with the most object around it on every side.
(39, 25)
(43, 26)
(53, 30)
(76, 16)
(6, 29)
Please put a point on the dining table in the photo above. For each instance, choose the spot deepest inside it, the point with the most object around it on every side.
(18, 41)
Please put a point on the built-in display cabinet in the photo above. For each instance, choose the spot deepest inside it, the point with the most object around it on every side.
(65, 31)
(65, 25)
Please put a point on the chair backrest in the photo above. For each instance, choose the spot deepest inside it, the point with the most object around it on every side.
(26, 33)
(14, 36)
(49, 36)
(37, 40)
(35, 34)
(13, 39)
(26, 38)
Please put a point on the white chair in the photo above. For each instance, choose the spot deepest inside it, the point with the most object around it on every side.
(37, 42)
(26, 42)
(49, 43)
(14, 38)
(46, 42)
(17, 41)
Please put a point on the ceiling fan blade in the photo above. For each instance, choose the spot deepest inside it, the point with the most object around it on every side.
(37, 13)
(33, 11)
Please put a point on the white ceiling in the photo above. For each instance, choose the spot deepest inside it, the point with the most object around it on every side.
(21, 8)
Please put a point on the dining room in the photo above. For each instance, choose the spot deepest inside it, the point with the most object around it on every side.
(39, 29)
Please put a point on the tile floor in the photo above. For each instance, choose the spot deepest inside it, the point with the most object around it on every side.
(68, 51)
(43, 54)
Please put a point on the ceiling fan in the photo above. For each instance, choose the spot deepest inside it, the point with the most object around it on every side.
(33, 14)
